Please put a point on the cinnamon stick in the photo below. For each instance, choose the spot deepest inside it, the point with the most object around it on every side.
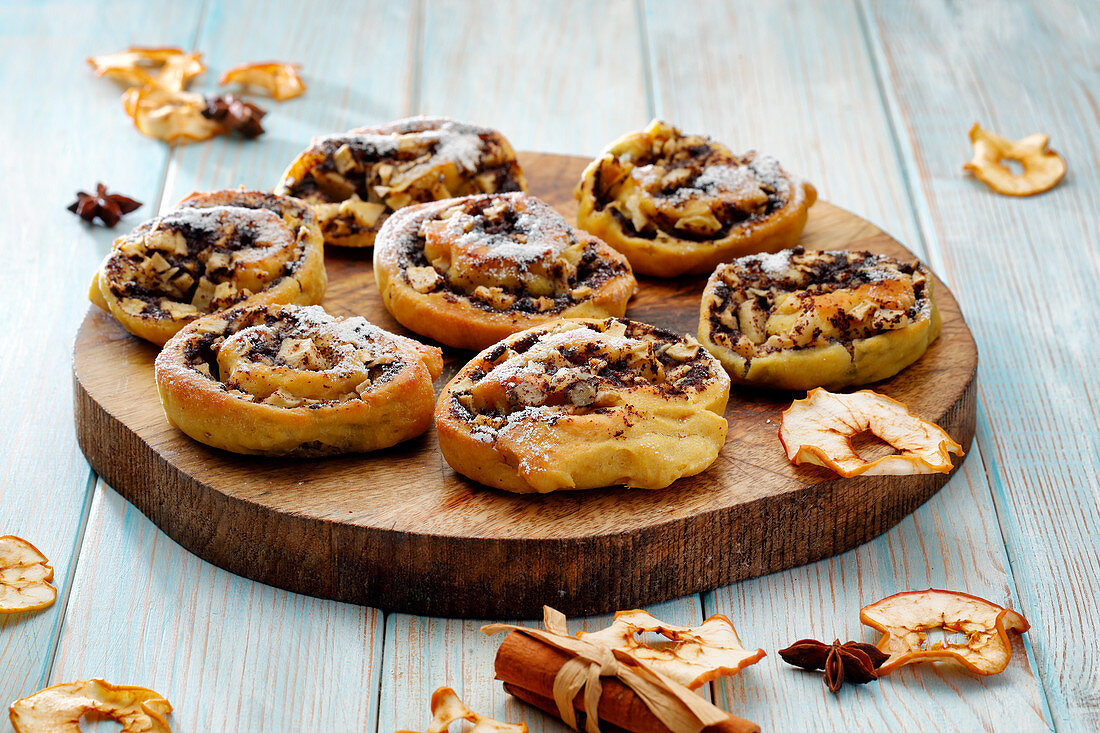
(528, 668)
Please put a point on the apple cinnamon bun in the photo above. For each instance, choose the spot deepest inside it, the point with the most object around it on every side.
(578, 404)
(214, 251)
(801, 319)
(293, 380)
(679, 204)
(469, 271)
(355, 180)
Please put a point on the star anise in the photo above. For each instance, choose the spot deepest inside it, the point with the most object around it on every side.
(851, 661)
(236, 115)
(108, 207)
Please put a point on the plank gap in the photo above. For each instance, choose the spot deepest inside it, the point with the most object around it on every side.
(65, 593)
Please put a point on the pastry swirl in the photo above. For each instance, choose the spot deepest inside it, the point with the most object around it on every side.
(356, 179)
(467, 272)
(801, 319)
(676, 203)
(293, 380)
(578, 404)
(214, 251)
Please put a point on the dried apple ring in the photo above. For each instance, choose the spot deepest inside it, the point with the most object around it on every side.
(696, 654)
(447, 707)
(356, 179)
(676, 203)
(1043, 168)
(58, 708)
(292, 380)
(281, 81)
(906, 618)
(468, 272)
(214, 251)
(801, 319)
(170, 69)
(819, 430)
(25, 576)
(168, 115)
(579, 404)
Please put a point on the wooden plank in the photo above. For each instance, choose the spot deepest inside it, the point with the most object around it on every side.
(557, 77)
(232, 654)
(423, 654)
(228, 653)
(507, 83)
(63, 130)
(1019, 68)
(800, 82)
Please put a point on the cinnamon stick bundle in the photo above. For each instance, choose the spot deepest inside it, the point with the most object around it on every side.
(528, 668)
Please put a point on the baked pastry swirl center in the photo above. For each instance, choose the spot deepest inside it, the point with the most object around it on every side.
(584, 403)
(295, 380)
(355, 180)
(797, 319)
(692, 189)
(292, 364)
(496, 264)
(678, 203)
(214, 251)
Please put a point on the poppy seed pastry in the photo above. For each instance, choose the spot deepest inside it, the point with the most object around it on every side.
(469, 271)
(801, 319)
(355, 180)
(291, 380)
(214, 251)
(679, 204)
(579, 404)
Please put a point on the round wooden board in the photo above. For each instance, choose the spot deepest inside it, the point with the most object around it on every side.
(399, 530)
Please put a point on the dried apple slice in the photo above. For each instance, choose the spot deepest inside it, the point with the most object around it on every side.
(281, 81)
(906, 618)
(1043, 168)
(171, 69)
(24, 577)
(172, 116)
(447, 708)
(820, 428)
(698, 654)
(58, 708)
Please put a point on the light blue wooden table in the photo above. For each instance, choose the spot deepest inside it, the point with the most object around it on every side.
(871, 101)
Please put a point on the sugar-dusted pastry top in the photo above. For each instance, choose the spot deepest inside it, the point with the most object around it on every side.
(354, 180)
(767, 305)
(577, 370)
(680, 203)
(584, 403)
(294, 356)
(503, 252)
(214, 251)
(690, 188)
(294, 380)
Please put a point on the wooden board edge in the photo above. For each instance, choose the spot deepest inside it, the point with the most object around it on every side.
(401, 572)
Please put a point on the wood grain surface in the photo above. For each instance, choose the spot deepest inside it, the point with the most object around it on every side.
(870, 100)
(1033, 266)
(398, 529)
(788, 87)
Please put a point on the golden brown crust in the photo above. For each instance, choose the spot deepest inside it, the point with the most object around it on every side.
(801, 319)
(578, 404)
(467, 272)
(356, 179)
(214, 251)
(679, 204)
(291, 380)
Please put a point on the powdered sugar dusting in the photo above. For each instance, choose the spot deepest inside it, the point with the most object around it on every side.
(773, 265)
(262, 225)
(458, 143)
